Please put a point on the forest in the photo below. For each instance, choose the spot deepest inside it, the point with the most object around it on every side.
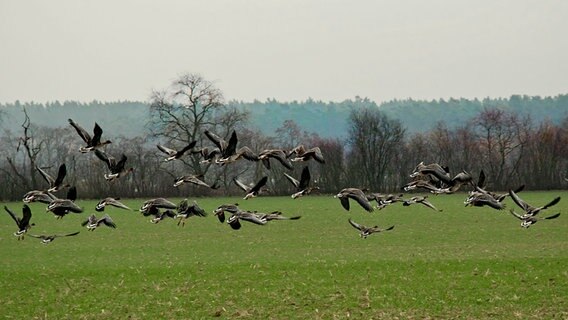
(519, 140)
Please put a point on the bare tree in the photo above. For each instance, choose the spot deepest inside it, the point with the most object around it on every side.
(373, 139)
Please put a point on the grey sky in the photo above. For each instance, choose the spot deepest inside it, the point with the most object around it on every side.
(288, 50)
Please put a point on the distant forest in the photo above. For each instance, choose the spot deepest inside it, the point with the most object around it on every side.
(326, 119)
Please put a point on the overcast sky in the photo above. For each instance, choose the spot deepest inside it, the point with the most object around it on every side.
(288, 50)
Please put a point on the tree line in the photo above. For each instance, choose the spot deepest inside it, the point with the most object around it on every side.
(378, 151)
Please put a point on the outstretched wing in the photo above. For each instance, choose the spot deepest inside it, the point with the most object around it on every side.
(220, 143)
(98, 132)
(46, 176)
(67, 235)
(241, 185)
(551, 203)
(16, 219)
(27, 215)
(305, 178)
(292, 180)
(259, 184)
(554, 216)
(354, 224)
(82, 133)
(60, 175)
(105, 158)
(166, 150)
(518, 201)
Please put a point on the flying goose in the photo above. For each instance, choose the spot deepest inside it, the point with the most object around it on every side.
(185, 211)
(253, 217)
(208, 155)
(175, 154)
(110, 202)
(355, 194)
(421, 184)
(434, 169)
(57, 183)
(117, 169)
(220, 211)
(92, 222)
(226, 149)
(421, 200)
(364, 232)
(45, 239)
(456, 183)
(277, 154)
(254, 191)
(480, 188)
(195, 179)
(159, 216)
(303, 154)
(528, 220)
(275, 215)
(22, 223)
(302, 186)
(38, 196)
(479, 199)
(384, 200)
(162, 203)
(242, 153)
(92, 142)
(530, 210)
(61, 207)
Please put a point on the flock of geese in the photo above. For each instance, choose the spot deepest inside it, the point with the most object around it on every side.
(433, 178)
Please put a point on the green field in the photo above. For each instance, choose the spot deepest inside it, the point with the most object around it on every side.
(462, 263)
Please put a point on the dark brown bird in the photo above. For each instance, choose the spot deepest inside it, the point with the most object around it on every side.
(277, 154)
(46, 239)
(57, 183)
(110, 202)
(303, 186)
(355, 194)
(220, 211)
(22, 223)
(530, 210)
(61, 207)
(253, 191)
(303, 154)
(117, 168)
(528, 220)
(175, 154)
(185, 210)
(92, 142)
(364, 231)
(226, 149)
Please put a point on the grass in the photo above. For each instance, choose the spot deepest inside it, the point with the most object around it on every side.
(462, 263)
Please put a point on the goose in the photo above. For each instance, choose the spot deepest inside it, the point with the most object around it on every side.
(530, 210)
(57, 183)
(220, 211)
(277, 154)
(421, 200)
(92, 142)
(384, 199)
(253, 217)
(479, 199)
(421, 184)
(275, 215)
(226, 149)
(356, 194)
(117, 169)
(303, 154)
(456, 183)
(185, 211)
(303, 186)
(195, 179)
(23, 223)
(61, 207)
(110, 202)
(162, 203)
(251, 192)
(480, 188)
(93, 222)
(159, 216)
(207, 154)
(434, 169)
(38, 196)
(364, 231)
(242, 153)
(528, 220)
(175, 154)
(46, 239)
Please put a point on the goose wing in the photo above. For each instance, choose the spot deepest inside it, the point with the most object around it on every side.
(97, 133)
(110, 161)
(360, 197)
(16, 219)
(259, 184)
(166, 150)
(119, 166)
(554, 216)
(520, 202)
(60, 175)
(429, 205)
(231, 146)
(27, 215)
(355, 224)
(46, 176)
(516, 215)
(189, 146)
(344, 202)
(280, 155)
(66, 235)
(82, 133)
(316, 153)
(92, 219)
(218, 141)
(241, 185)
(107, 220)
(551, 203)
(292, 180)
(305, 178)
(115, 203)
